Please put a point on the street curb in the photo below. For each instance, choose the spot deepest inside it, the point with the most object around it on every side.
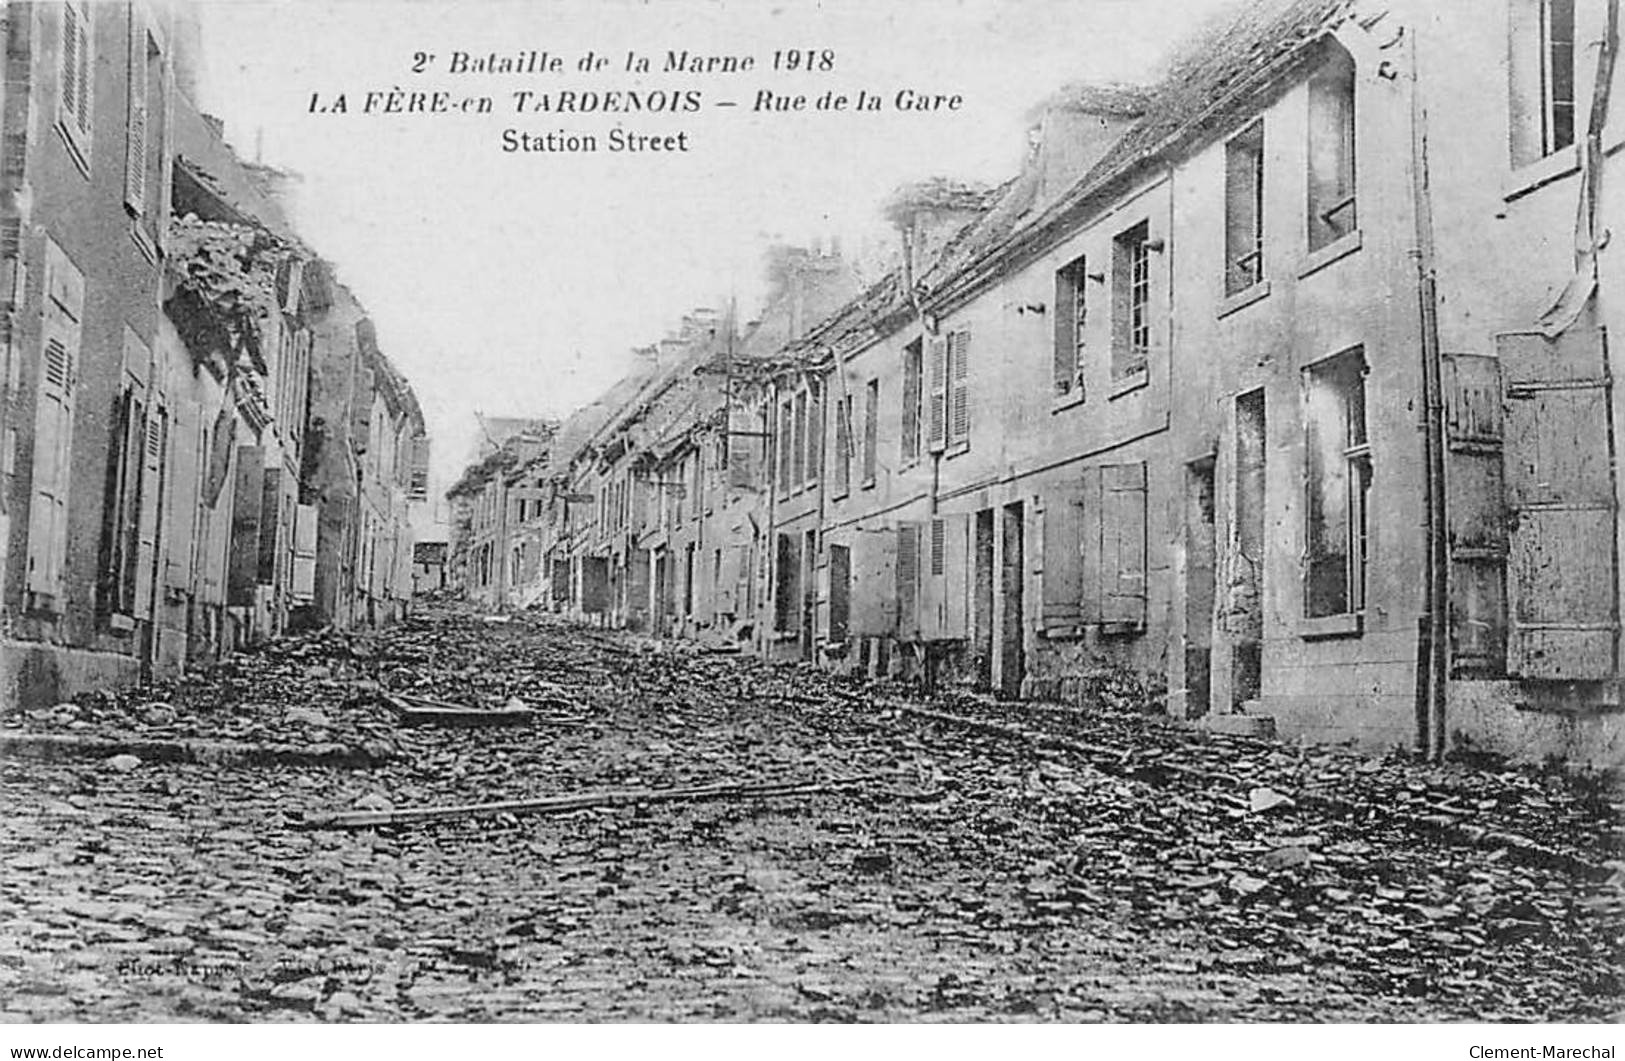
(58, 747)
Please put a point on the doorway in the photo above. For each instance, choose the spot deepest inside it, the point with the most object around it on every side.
(1200, 584)
(1012, 650)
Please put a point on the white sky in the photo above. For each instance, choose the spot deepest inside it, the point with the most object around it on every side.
(515, 284)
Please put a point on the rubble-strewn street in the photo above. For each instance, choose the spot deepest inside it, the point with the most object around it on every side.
(985, 863)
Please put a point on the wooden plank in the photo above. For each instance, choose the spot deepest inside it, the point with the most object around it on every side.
(581, 801)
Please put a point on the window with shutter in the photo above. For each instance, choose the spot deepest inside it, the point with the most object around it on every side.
(798, 445)
(1063, 562)
(1071, 315)
(150, 516)
(936, 399)
(135, 155)
(1123, 544)
(77, 84)
(908, 581)
(913, 358)
(1131, 301)
(959, 388)
(1562, 573)
(53, 429)
(871, 430)
(1541, 92)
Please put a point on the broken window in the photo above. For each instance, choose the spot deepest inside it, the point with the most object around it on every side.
(1542, 74)
(1244, 209)
(843, 446)
(1337, 485)
(1131, 301)
(1332, 212)
(1071, 313)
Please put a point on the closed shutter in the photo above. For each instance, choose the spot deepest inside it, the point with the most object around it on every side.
(1063, 562)
(53, 425)
(936, 399)
(135, 158)
(1562, 576)
(943, 597)
(1091, 526)
(908, 581)
(305, 526)
(1123, 543)
(874, 601)
(149, 516)
(180, 526)
(959, 387)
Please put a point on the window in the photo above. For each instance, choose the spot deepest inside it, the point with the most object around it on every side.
(798, 442)
(815, 433)
(1331, 152)
(913, 362)
(1244, 209)
(787, 587)
(78, 83)
(1071, 314)
(959, 388)
(785, 432)
(1131, 301)
(1337, 485)
(1542, 71)
(871, 429)
(843, 446)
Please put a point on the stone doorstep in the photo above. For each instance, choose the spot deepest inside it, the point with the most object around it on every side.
(56, 747)
(1239, 725)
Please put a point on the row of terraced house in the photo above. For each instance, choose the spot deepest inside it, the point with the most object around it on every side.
(1285, 385)
(201, 444)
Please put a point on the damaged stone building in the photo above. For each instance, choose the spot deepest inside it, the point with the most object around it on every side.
(1283, 385)
(166, 335)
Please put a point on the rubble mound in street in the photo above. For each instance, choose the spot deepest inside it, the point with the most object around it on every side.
(987, 861)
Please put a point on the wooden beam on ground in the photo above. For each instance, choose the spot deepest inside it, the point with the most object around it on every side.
(582, 801)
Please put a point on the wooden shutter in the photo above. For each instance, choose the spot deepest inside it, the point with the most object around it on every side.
(945, 581)
(1562, 582)
(1063, 561)
(222, 443)
(53, 423)
(874, 601)
(959, 387)
(149, 514)
(936, 400)
(1123, 543)
(305, 526)
(908, 581)
(1092, 527)
(135, 157)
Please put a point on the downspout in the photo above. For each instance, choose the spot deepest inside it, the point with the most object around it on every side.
(1433, 646)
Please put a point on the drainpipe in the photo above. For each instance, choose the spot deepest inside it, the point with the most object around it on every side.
(1433, 644)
